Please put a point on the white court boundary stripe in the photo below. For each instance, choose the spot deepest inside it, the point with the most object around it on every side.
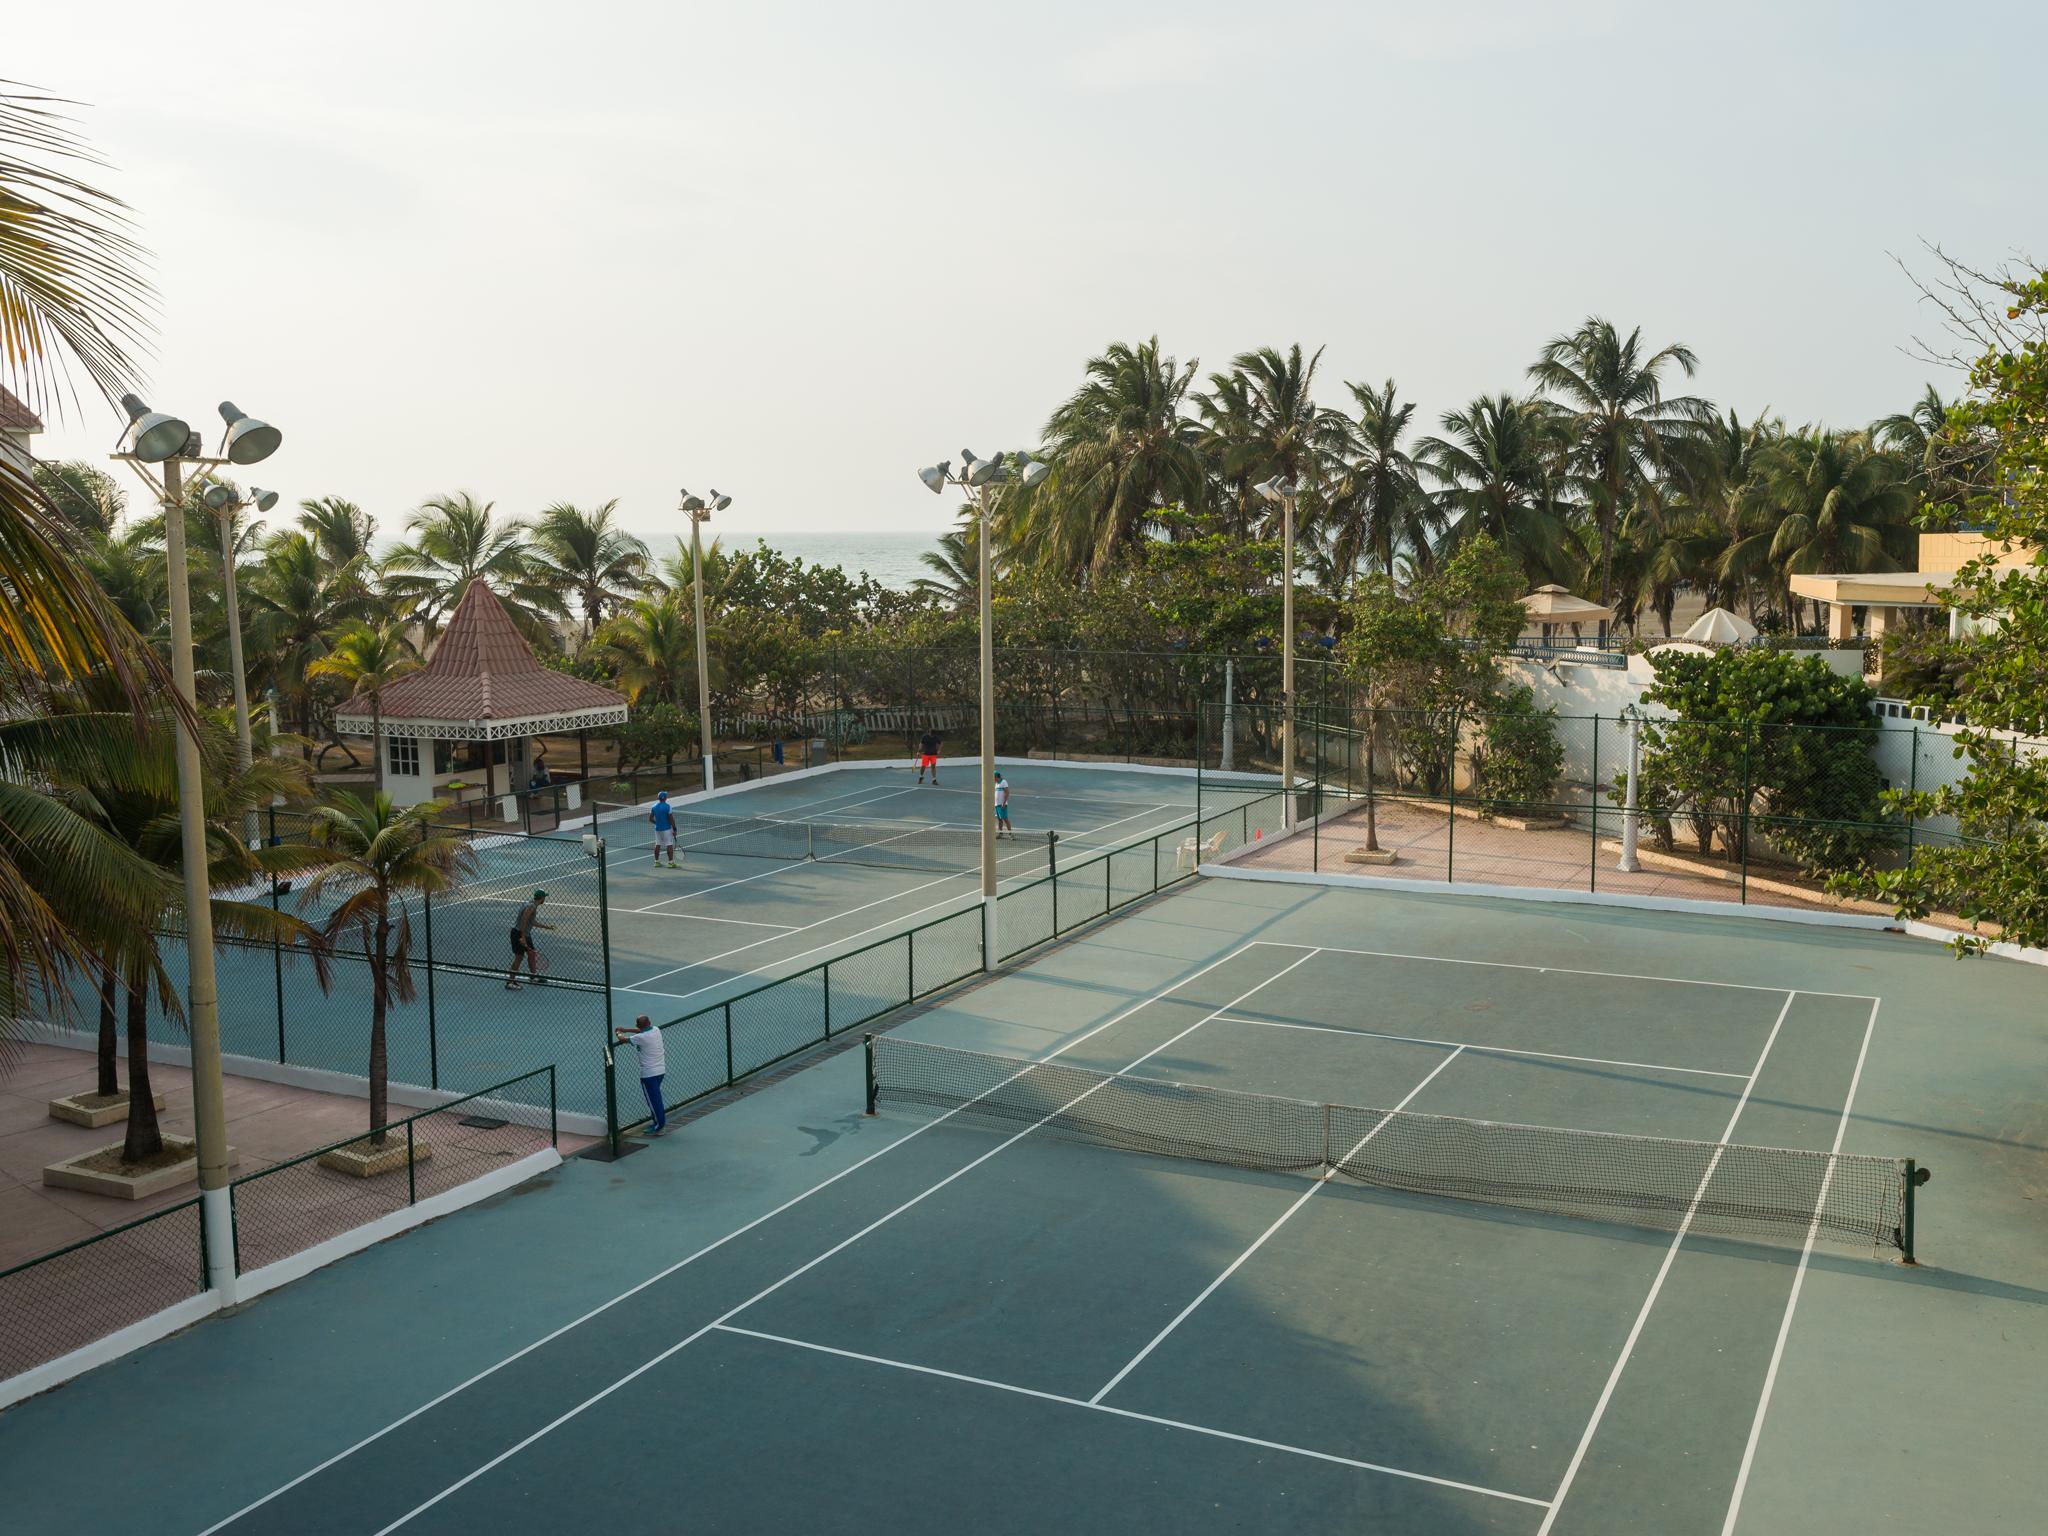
(1565, 970)
(1635, 1331)
(1285, 1216)
(1468, 1045)
(839, 1247)
(1127, 1413)
(1763, 1403)
(964, 898)
(683, 1263)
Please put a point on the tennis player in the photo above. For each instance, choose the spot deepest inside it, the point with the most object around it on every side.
(646, 1041)
(1003, 827)
(522, 943)
(928, 755)
(664, 820)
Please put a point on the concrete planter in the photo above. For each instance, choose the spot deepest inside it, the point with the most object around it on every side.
(365, 1161)
(125, 1186)
(1372, 856)
(76, 1109)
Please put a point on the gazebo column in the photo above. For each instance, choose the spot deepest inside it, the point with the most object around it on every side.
(1876, 621)
(1841, 621)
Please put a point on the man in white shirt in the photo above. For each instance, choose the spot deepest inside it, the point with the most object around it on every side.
(646, 1040)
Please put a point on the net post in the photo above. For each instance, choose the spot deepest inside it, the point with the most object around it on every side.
(910, 960)
(867, 1049)
(826, 975)
(727, 1011)
(1052, 875)
(1326, 1136)
(1915, 1177)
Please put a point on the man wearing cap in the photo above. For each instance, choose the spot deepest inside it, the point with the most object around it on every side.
(522, 943)
(664, 821)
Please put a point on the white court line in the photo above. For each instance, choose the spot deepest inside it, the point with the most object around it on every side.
(716, 1243)
(1285, 1217)
(849, 911)
(1126, 1413)
(805, 1268)
(1563, 970)
(1763, 1403)
(1490, 1050)
(1670, 1254)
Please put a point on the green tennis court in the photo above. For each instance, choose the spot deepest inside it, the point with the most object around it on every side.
(1084, 1270)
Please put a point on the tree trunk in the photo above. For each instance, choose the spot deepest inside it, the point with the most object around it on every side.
(109, 1043)
(379, 1064)
(145, 1137)
(377, 739)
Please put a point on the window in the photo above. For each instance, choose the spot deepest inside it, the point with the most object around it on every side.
(402, 756)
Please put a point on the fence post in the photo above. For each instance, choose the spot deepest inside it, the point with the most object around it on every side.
(276, 951)
(1593, 844)
(611, 1101)
(1742, 815)
(234, 1235)
(433, 1032)
(1913, 788)
(604, 936)
(554, 1115)
(412, 1192)
(1451, 802)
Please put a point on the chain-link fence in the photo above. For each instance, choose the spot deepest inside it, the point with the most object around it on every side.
(1524, 796)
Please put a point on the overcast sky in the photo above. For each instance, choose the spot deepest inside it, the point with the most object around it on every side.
(577, 252)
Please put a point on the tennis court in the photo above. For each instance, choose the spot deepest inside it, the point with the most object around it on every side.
(1023, 1314)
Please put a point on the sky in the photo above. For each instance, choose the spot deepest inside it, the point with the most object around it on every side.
(546, 253)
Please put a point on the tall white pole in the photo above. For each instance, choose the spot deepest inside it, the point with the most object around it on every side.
(244, 748)
(1630, 818)
(1229, 710)
(202, 1006)
(1287, 663)
(988, 733)
(703, 651)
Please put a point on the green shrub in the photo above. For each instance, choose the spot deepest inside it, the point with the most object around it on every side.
(1522, 757)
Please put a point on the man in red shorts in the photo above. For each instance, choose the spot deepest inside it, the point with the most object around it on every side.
(928, 755)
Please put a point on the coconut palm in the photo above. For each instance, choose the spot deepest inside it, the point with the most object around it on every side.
(650, 647)
(89, 499)
(297, 601)
(1377, 506)
(591, 558)
(370, 660)
(1625, 430)
(1261, 420)
(376, 859)
(1494, 467)
(455, 540)
(1121, 448)
(955, 582)
(341, 531)
(1820, 502)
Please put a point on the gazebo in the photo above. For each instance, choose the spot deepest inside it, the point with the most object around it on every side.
(470, 714)
(1552, 605)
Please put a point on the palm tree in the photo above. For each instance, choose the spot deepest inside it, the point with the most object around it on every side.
(1820, 503)
(130, 573)
(1378, 507)
(89, 499)
(1120, 449)
(651, 649)
(374, 858)
(1494, 470)
(1262, 420)
(370, 660)
(955, 582)
(588, 556)
(341, 531)
(454, 541)
(1625, 429)
(297, 600)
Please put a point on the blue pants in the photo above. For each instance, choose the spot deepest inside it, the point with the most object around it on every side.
(651, 1086)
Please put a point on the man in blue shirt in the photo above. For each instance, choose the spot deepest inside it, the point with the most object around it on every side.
(664, 821)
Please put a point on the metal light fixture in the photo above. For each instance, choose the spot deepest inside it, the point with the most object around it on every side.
(264, 500)
(247, 440)
(218, 496)
(719, 503)
(934, 478)
(1035, 471)
(152, 435)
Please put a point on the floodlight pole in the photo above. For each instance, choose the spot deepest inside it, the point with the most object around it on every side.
(986, 605)
(1287, 660)
(202, 1006)
(697, 519)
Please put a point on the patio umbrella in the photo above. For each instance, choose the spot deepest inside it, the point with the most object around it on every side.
(1553, 605)
(1717, 626)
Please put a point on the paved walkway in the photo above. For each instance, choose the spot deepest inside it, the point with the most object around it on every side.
(267, 1123)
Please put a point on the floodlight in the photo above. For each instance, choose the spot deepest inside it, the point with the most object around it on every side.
(981, 471)
(1035, 471)
(692, 504)
(719, 503)
(934, 478)
(153, 436)
(248, 441)
(219, 497)
(264, 500)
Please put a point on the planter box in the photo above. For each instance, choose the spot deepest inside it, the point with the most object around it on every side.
(79, 1109)
(1372, 856)
(365, 1161)
(125, 1186)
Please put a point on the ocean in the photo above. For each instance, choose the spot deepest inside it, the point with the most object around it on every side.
(888, 556)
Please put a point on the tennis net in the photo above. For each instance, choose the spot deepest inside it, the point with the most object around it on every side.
(939, 846)
(1715, 1188)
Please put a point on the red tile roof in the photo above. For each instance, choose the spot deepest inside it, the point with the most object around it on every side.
(14, 415)
(483, 669)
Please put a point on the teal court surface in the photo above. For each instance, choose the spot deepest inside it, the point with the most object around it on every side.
(965, 1313)
(771, 879)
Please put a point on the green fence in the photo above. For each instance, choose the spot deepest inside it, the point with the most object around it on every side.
(719, 1045)
(66, 1299)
